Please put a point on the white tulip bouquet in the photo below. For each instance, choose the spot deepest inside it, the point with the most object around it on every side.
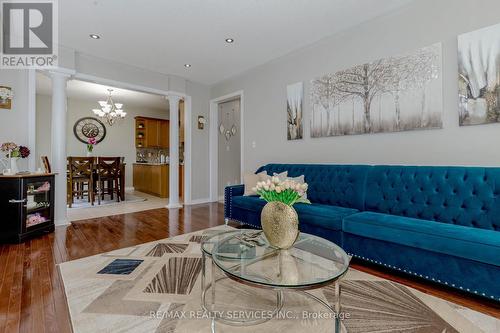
(288, 191)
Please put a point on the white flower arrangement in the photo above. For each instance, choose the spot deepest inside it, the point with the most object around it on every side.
(288, 191)
(6, 93)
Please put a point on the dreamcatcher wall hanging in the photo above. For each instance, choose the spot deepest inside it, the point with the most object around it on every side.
(227, 126)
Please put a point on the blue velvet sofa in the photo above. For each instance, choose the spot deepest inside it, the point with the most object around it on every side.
(438, 223)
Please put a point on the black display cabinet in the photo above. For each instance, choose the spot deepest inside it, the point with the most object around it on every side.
(27, 206)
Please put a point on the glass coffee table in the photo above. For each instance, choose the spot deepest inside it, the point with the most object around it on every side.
(246, 257)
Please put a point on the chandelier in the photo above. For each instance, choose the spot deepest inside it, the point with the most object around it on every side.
(110, 111)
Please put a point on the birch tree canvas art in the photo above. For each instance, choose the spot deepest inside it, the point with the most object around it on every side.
(388, 95)
(295, 97)
(479, 76)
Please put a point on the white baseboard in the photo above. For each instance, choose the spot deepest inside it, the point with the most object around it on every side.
(60, 223)
(129, 189)
(221, 198)
(198, 201)
(173, 206)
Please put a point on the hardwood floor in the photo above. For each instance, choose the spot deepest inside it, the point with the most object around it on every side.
(31, 291)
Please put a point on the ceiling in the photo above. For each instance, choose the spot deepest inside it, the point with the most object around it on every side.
(162, 36)
(96, 92)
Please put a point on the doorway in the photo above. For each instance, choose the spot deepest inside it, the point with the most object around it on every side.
(229, 144)
(226, 143)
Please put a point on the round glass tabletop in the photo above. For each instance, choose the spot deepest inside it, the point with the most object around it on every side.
(241, 250)
(247, 257)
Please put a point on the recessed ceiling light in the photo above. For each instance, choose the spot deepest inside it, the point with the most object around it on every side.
(229, 40)
(187, 65)
(94, 36)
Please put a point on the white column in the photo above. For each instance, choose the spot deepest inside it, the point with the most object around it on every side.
(173, 196)
(58, 144)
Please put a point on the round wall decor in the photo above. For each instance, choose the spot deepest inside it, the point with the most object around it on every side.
(88, 127)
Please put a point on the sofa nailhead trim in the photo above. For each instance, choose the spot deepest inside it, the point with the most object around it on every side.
(420, 275)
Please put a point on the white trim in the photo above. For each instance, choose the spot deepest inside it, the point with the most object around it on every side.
(140, 88)
(32, 159)
(198, 202)
(62, 222)
(129, 189)
(125, 85)
(187, 148)
(174, 206)
(213, 140)
(221, 198)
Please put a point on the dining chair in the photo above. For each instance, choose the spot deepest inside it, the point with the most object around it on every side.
(80, 178)
(108, 177)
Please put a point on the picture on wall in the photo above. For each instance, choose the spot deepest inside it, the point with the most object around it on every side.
(394, 94)
(479, 76)
(6, 96)
(294, 105)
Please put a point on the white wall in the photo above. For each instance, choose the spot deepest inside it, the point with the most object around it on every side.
(422, 23)
(14, 125)
(229, 158)
(119, 140)
(200, 179)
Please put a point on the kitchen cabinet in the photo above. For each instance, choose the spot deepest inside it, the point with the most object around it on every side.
(151, 179)
(151, 133)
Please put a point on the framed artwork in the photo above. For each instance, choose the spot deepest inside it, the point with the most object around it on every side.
(393, 94)
(6, 96)
(479, 76)
(294, 107)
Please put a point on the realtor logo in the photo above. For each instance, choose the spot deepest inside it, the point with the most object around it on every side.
(29, 33)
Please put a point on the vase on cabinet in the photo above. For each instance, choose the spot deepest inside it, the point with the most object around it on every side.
(13, 165)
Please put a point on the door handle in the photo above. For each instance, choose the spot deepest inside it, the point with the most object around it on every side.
(16, 201)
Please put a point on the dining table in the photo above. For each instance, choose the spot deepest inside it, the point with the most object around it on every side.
(122, 176)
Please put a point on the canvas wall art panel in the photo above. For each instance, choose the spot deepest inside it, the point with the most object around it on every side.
(294, 107)
(479, 76)
(393, 94)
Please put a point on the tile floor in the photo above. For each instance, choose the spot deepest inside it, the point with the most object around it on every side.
(151, 202)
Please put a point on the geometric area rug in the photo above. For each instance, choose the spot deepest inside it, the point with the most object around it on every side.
(155, 287)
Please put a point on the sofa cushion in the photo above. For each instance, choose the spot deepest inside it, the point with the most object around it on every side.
(325, 216)
(471, 243)
(335, 185)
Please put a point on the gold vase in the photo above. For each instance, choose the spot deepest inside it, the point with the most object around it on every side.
(280, 224)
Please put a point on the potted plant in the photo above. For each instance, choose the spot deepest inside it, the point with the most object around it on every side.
(91, 142)
(14, 153)
(279, 219)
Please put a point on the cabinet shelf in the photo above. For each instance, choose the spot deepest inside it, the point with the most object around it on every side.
(36, 209)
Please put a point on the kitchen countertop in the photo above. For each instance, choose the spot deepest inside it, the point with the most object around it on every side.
(27, 175)
(152, 163)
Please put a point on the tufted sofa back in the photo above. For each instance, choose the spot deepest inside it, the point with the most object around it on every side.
(338, 185)
(467, 196)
